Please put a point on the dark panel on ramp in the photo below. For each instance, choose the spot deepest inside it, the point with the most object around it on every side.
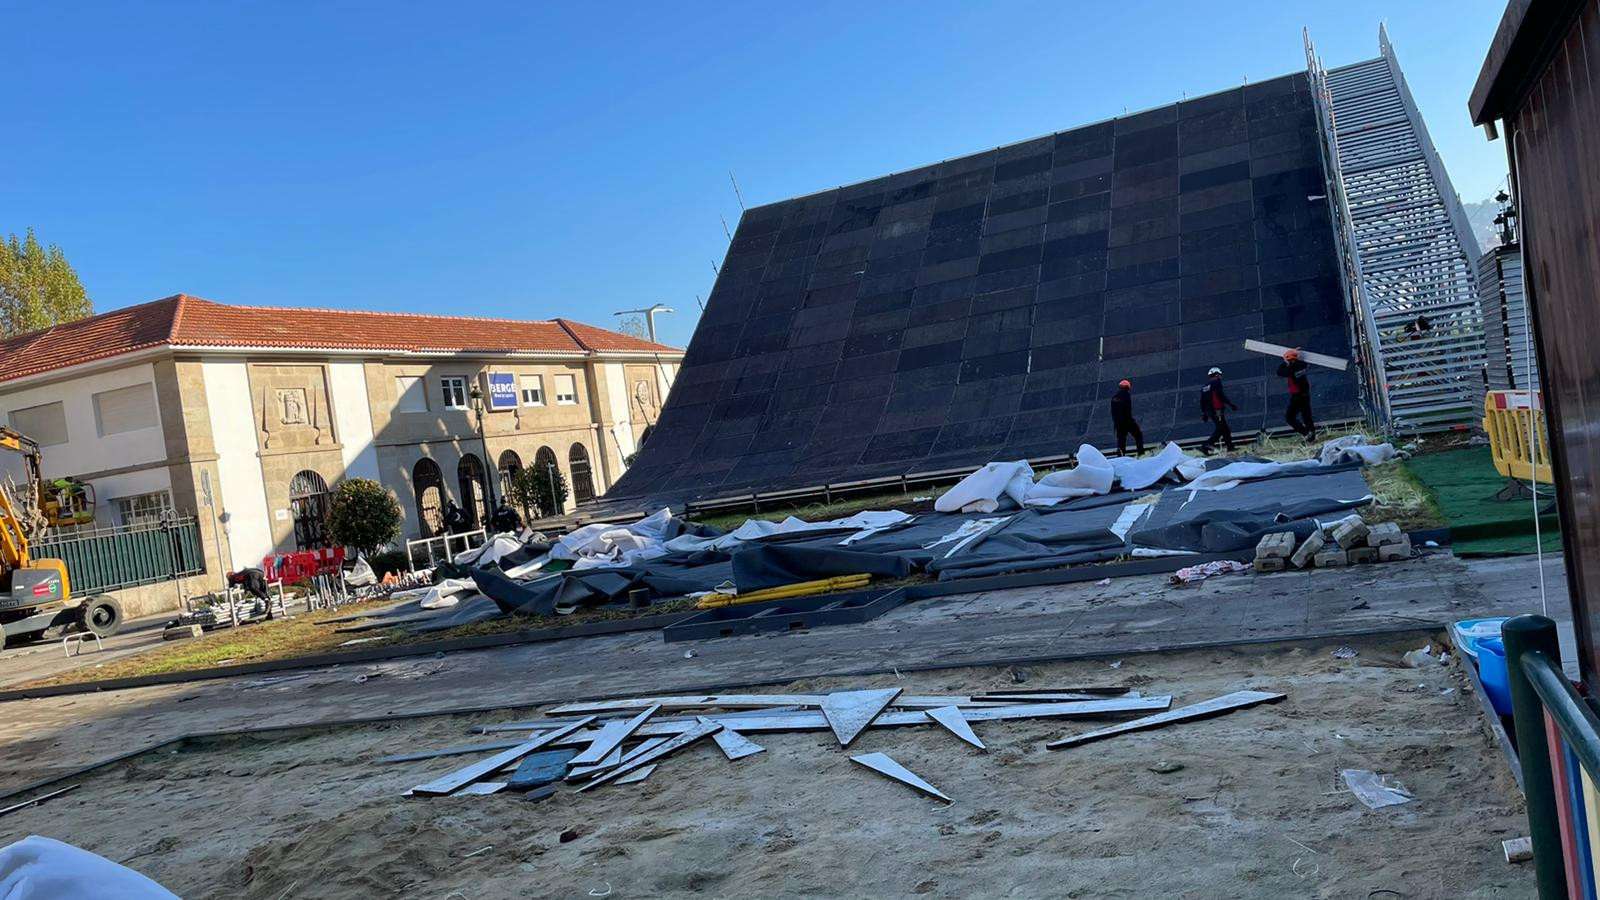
(985, 307)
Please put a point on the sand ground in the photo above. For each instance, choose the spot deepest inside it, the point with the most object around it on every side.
(1255, 807)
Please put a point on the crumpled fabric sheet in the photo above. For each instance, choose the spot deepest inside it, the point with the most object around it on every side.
(489, 552)
(1233, 474)
(1036, 539)
(862, 523)
(1095, 474)
(446, 593)
(1189, 574)
(981, 491)
(41, 868)
(758, 568)
(1354, 448)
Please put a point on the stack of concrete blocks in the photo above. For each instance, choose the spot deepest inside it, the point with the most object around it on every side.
(1273, 552)
(1348, 541)
(1389, 541)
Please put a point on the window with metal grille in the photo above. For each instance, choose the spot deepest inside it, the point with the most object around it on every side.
(141, 509)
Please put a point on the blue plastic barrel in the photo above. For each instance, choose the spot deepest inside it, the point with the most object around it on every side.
(1492, 672)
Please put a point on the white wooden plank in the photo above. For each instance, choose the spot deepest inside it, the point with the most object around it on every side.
(1315, 359)
(461, 777)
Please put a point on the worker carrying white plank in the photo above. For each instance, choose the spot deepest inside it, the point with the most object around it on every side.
(1298, 415)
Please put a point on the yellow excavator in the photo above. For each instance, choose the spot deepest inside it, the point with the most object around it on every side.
(36, 594)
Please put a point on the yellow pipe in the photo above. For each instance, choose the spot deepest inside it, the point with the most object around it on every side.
(784, 592)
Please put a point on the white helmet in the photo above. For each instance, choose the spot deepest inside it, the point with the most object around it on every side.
(1214, 371)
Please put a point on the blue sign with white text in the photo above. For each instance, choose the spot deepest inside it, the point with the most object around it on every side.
(502, 390)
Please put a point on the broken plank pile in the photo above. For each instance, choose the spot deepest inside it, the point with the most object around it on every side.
(590, 744)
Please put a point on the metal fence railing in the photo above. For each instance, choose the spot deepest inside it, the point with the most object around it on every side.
(105, 559)
(424, 553)
(1558, 747)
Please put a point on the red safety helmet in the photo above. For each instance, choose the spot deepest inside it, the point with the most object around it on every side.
(1124, 384)
(1291, 355)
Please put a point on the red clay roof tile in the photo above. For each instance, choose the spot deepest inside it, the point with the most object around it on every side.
(185, 321)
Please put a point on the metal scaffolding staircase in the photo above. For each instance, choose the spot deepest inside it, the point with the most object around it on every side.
(1408, 246)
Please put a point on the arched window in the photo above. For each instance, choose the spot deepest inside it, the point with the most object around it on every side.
(469, 475)
(510, 464)
(308, 505)
(427, 483)
(582, 481)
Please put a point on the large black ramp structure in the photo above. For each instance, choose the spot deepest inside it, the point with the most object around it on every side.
(985, 307)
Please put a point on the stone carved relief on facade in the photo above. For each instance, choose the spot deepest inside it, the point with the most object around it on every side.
(293, 411)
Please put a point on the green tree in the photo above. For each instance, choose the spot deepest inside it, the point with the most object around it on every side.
(538, 493)
(634, 326)
(365, 515)
(38, 287)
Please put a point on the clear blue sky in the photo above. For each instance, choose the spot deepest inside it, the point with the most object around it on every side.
(508, 159)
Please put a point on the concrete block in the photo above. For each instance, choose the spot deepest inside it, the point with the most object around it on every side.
(1302, 557)
(182, 632)
(1393, 552)
(1350, 532)
(1386, 533)
(1276, 546)
(1271, 564)
(1362, 555)
(1330, 558)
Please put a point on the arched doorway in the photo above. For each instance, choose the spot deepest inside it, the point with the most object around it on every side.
(427, 483)
(308, 505)
(509, 465)
(549, 469)
(582, 481)
(469, 476)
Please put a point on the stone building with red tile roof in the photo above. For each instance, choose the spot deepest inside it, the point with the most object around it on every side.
(278, 404)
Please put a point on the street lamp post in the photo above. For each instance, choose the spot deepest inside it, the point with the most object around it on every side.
(649, 316)
(488, 480)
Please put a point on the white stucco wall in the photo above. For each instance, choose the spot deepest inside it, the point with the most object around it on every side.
(86, 452)
(353, 419)
(244, 494)
(666, 374)
(619, 407)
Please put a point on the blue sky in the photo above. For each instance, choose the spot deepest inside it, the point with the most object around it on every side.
(523, 160)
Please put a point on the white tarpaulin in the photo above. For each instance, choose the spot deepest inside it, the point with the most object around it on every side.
(755, 529)
(448, 593)
(1094, 474)
(41, 868)
(1353, 448)
(1137, 474)
(981, 491)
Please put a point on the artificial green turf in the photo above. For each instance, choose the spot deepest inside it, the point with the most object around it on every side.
(1463, 484)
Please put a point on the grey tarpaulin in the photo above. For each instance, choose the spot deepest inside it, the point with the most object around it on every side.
(1235, 519)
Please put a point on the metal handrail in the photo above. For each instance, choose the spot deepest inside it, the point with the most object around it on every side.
(1573, 717)
(1539, 686)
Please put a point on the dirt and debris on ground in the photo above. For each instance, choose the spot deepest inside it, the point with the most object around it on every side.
(1250, 804)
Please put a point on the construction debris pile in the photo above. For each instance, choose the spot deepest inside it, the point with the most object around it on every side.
(997, 521)
(1343, 542)
(587, 745)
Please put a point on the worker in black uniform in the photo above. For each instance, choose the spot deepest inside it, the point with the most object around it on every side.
(505, 519)
(1293, 369)
(455, 518)
(1122, 418)
(254, 582)
(1214, 406)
